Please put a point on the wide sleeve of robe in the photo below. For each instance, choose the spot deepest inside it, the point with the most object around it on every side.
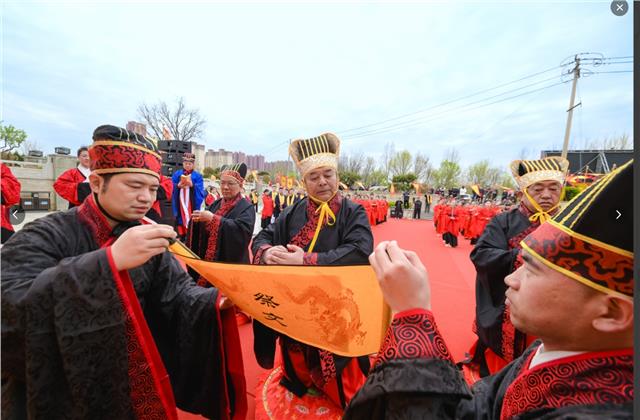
(348, 242)
(198, 190)
(9, 187)
(413, 376)
(71, 187)
(356, 242)
(67, 346)
(225, 238)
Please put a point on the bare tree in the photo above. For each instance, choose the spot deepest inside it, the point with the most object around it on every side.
(452, 155)
(481, 173)
(387, 157)
(525, 153)
(617, 143)
(430, 176)
(352, 163)
(421, 165)
(401, 163)
(182, 123)
(368, 169)
(610, 143)
(29, 145)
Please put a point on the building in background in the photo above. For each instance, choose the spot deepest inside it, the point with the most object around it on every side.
(217, 158)
(598, 161)
(255, 162)
(198, 151)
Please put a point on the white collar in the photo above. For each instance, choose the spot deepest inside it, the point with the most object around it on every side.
(542, 356)
(85, 171)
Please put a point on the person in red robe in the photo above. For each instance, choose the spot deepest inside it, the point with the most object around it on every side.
(267, 209)
(73, 184)
(161, 211)
(449, 220)
(10, 191)
(437, 211)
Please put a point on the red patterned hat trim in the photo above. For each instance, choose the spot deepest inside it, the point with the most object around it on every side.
(118, 156)
(595, 264)
(233, 174)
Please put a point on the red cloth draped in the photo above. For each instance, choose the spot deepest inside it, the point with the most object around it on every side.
(10, 190)
(67, 185)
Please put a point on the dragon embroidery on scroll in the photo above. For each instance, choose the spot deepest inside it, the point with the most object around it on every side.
(337, 318)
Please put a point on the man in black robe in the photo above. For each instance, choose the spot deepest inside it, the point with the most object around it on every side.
(574, 291)
(322, 229)
(223, 232)
(417, 207)
(278, 202)
(495, 256)
(98, 319)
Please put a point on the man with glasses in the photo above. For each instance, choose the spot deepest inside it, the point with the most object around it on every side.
(224, 230)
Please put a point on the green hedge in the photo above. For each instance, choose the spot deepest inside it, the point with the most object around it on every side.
(570, 192)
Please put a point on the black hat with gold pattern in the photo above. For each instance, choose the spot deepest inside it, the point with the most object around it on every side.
(591, 240)
(237, 171)
(117, 150)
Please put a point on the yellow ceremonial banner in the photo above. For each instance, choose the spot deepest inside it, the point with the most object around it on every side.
(339, 309)
(290, 182)
(283, 181)
(475, 189)
(344, 186)
(392, 189)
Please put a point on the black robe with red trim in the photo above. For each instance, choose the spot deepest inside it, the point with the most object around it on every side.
(70, 185)
(495, 256)
(348, 242)
(227, 236)
(414, 378)
(82, 340)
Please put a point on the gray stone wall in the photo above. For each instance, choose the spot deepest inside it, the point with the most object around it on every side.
(37, 176)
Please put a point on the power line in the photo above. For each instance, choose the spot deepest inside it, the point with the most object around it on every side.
(612, 71)
(451, 101)
(421, 120)
(374, 132)
(454, 108)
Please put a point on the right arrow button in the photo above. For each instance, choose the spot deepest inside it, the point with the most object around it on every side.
(618, 214)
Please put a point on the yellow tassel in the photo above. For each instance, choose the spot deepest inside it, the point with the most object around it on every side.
(325, 213)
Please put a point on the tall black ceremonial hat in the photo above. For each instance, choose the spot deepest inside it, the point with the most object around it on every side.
(237, 171)
(591, 239)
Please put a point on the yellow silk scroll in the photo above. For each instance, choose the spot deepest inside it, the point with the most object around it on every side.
(339, 309)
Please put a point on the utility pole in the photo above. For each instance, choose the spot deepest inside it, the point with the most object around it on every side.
(567, 132)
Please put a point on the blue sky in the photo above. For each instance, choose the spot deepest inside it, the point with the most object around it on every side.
(263, 73)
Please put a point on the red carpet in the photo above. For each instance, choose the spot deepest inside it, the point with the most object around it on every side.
(452, 278)
(451, 274)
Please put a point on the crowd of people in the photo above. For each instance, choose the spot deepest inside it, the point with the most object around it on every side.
(453, 217)
(99, 318)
